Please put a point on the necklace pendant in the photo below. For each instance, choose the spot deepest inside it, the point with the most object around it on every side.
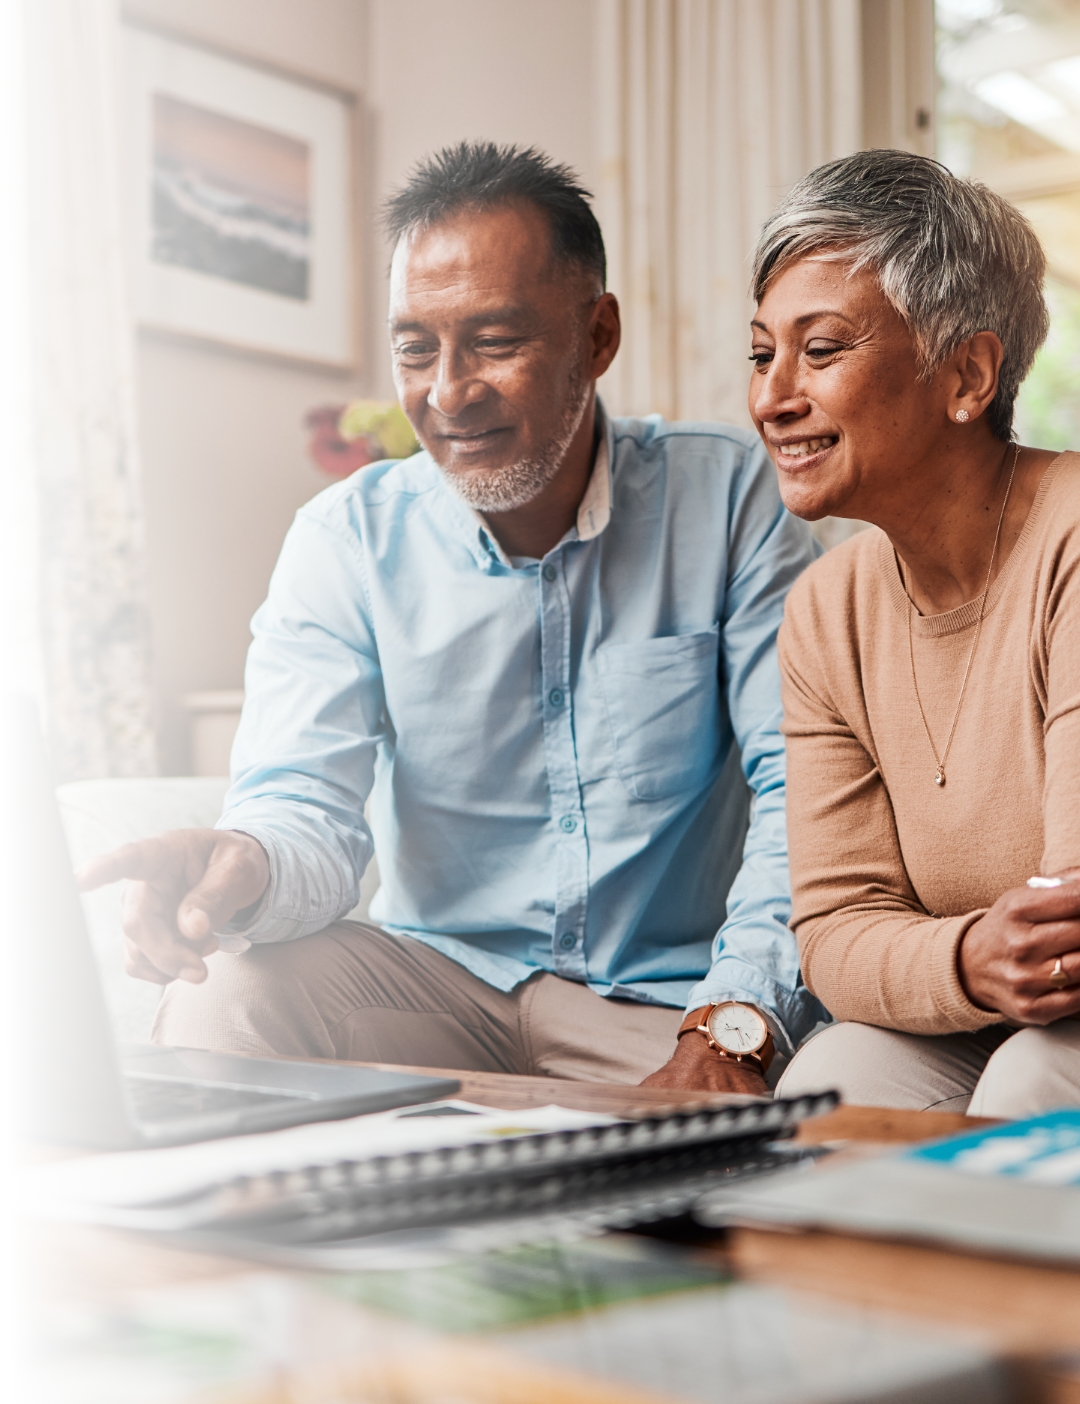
(939, 775)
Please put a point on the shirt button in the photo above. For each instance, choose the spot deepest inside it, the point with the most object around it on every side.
(567, 941)
(549, 572)
(568, 823)
(556, 697)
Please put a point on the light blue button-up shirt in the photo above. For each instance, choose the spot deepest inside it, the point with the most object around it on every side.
(560, 754)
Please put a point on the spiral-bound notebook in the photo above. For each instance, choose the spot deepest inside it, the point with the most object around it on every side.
(447, 1163)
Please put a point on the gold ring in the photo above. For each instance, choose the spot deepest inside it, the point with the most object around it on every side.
(1058, 976)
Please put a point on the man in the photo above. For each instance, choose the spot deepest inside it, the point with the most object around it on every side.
(542, 647)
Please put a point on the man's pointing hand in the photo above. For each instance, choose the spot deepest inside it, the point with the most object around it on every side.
(181, 888)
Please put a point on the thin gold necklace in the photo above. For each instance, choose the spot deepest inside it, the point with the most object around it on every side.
(939, 774)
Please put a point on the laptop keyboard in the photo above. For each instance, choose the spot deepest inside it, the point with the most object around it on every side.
(157, 1099)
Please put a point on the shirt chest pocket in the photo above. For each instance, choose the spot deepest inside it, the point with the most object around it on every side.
(662, 699)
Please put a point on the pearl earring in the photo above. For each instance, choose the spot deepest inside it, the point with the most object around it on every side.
(962, 416)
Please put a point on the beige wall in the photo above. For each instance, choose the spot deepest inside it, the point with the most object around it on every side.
(441, 71)
(222, 445)
(223, 471)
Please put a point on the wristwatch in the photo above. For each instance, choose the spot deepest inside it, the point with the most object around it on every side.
(737, 1031)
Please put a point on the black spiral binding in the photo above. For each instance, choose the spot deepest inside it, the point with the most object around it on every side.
(542, 1172)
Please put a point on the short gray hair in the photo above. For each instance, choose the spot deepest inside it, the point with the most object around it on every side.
(952, 257)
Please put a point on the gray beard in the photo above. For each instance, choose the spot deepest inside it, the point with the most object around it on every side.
(515, 484)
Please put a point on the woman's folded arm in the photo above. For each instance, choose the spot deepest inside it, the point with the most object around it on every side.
(870, 951)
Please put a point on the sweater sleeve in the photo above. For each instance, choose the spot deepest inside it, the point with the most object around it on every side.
(1057, 675)
(870, 951)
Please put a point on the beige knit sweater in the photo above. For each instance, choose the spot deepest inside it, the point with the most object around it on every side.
(888, 870)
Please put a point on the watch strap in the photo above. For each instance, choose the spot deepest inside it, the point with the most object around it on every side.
(695, 1020)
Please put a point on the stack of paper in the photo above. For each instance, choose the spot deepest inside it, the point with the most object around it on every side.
(1014, 1189)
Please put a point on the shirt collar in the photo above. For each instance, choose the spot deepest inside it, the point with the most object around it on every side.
(594, 513)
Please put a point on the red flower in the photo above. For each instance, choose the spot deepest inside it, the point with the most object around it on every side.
(329, 451)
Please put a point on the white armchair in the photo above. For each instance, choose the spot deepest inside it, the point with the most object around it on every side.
(101, 814)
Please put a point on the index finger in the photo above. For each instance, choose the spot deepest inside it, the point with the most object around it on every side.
(131, 860)
(1040, 904)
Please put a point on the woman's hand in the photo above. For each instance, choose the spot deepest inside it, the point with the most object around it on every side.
(1006, 959)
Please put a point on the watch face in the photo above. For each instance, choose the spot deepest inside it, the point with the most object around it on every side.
(737, 1029)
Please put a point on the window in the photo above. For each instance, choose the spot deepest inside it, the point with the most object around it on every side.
(1009, 115)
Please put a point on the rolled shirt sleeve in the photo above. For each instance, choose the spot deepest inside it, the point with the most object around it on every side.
(755, 955)
(304, 757)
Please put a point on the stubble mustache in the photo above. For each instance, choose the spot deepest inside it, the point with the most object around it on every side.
(516, 484)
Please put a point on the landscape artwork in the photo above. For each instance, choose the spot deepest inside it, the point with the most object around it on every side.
(230, 199)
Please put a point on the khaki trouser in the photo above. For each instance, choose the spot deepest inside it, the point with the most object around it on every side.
(355, 992)
(998, 1071)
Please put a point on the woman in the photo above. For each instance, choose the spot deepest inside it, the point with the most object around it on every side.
(931, 667)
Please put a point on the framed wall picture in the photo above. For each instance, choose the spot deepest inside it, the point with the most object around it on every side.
(240, 202)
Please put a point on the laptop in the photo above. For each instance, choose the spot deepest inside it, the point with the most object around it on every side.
(74, 1084)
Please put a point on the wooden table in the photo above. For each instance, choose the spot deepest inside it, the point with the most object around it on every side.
(1033, 1310)
(510, 1092)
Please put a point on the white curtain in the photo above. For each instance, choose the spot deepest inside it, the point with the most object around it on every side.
(20, 655)
(709, 111)
(84, 553)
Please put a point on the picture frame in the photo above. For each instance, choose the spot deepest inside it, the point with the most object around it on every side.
(240, 202)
